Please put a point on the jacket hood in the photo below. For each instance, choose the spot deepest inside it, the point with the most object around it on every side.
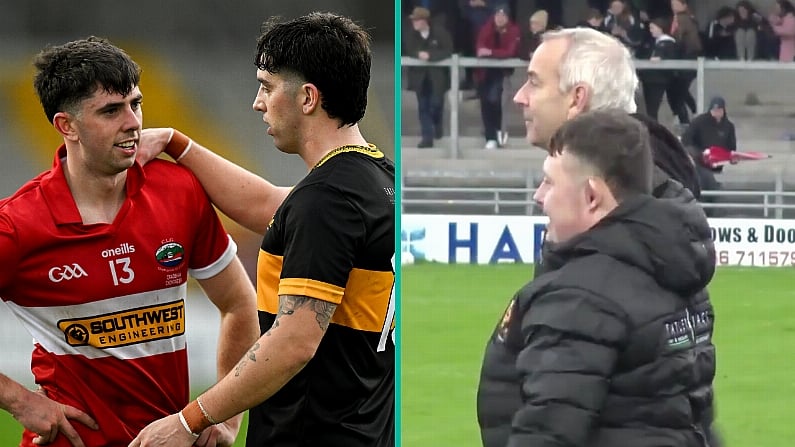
(669, 154)
(668, 239)
(717, 102)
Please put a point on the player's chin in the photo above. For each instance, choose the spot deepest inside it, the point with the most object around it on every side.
(127, 162)
(281, 146)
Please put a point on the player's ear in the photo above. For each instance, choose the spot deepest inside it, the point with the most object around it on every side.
(64, 123)
(310, 97)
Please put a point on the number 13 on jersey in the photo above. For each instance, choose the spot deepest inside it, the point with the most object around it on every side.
(120, 271)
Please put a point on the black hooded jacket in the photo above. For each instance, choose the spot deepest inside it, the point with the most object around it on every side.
(611, 346)
(670, 158)
(675, 175)
(705, 131)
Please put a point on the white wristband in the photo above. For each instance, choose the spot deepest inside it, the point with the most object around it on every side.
(185, 152)
(185, 424)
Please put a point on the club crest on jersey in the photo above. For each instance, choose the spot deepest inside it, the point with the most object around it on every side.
(170, 254)
(502, 328)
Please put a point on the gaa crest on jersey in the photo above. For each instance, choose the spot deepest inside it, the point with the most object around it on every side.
(170, 254)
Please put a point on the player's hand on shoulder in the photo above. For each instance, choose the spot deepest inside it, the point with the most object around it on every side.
(47, 418)
(153, 141)
(166, 432)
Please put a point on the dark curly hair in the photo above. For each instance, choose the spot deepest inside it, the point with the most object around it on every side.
(324, 49)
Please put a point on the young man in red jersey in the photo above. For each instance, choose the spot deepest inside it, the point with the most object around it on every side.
(95, 257)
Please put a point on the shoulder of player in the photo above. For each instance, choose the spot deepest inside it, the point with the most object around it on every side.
(352, 171)
(315, 192)
(162, 172)
(27, 198)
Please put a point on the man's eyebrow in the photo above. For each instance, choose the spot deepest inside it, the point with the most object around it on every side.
(117, 104)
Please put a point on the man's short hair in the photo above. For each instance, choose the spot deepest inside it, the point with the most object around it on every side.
(69, 73)
(613, 146)
(324, 49)
(600, 61)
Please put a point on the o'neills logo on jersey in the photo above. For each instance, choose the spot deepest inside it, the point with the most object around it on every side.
(126, 328)
(122, 249)
(170, 254)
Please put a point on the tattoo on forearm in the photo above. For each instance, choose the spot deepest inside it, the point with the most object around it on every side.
(288, 304)
(250, 355)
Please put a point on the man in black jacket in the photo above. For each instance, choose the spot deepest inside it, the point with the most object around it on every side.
(577, 70)
(712, 128)
(428, 42)
(612, 345)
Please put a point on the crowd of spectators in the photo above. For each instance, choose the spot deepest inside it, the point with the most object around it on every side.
(651, 29)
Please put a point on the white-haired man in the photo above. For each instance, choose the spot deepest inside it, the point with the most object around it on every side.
(579, 69)
(574, 71)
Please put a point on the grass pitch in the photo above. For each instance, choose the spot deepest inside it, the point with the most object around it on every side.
(448, 313)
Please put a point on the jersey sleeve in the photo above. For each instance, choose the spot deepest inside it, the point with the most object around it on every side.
(322, 231)
(9, 251)
(213, 248)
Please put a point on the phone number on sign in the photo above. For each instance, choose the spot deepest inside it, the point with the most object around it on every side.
(756, 258)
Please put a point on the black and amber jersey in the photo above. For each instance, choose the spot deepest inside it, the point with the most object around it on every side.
(333, 239)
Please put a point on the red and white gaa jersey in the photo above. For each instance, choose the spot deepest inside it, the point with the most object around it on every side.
(105, 303)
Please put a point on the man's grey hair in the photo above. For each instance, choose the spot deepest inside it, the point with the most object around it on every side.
(601, 62)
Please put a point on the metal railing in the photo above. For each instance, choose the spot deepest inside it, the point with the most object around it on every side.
(455, 62)
(770, 202)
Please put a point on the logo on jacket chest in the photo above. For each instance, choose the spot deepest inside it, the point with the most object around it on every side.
(505, 322)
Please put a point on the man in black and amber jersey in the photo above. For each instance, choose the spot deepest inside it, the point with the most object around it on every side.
(323, 371)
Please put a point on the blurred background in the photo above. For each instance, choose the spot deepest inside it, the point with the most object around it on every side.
(198, 76)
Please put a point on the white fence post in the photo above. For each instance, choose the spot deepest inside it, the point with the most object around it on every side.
(700, 86)
(455, 88)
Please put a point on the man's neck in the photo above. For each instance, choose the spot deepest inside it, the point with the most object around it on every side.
(98, 198)
(324, 140)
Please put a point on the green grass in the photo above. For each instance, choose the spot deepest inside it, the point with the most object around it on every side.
(11, 431)
(448, 313)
